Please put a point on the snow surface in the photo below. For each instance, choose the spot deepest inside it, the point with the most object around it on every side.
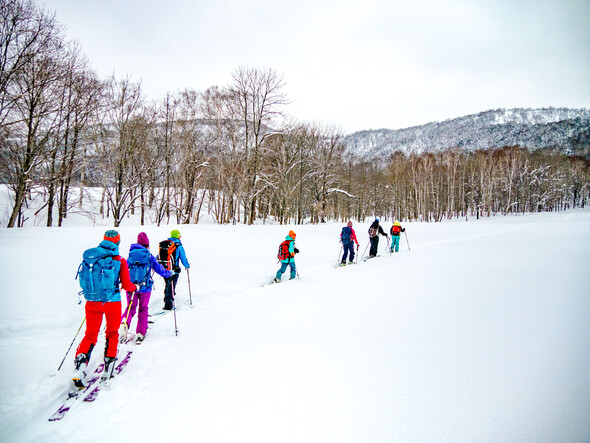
(480, 332)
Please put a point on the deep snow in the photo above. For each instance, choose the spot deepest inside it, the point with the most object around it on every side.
(479, 333)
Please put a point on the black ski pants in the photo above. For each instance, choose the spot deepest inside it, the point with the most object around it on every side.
(374, 246)
(170, 291)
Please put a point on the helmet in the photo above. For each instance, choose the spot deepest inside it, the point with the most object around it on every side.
(376, 218)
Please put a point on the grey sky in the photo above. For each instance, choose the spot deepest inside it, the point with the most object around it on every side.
(352, 64)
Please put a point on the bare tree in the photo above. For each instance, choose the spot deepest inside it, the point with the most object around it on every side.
(259, 100)
(123, 133)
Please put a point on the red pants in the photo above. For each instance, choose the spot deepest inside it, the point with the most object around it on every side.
(94, 312)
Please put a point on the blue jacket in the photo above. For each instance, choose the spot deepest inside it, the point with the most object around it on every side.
(153, 265)
(179, 253)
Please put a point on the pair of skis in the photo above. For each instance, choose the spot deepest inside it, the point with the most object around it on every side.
(90, 392)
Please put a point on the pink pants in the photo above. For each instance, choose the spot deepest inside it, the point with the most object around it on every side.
(143, 299)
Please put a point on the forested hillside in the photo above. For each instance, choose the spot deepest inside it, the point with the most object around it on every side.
(232, 152)
(563, 129)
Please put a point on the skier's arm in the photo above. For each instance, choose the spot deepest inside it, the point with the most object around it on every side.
(124, 275)
(182, 256)
(156, 266)
(353, 236)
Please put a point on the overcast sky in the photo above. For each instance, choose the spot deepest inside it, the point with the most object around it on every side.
(361, 64)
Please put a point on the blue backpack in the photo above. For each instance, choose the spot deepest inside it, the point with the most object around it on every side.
(99, 275)
(345, 236)
(139, 269)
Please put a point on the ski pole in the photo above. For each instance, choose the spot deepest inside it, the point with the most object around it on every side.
(338, 259)
(174, 307)
(356, 259)
(407, 240)
(190, 296)
(366, 247)
(126, 321)
(68, 351)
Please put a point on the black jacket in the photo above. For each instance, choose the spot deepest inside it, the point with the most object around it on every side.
(378, 228)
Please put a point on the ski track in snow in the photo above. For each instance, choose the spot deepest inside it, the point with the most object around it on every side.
(478, 333)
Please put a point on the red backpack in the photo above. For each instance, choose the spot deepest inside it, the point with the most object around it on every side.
(284, 253)
(396, 229)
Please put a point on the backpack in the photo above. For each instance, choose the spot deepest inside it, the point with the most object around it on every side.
(167, 256)
(396, 229)
(345, 235)
(139, 269)
(99, 274)
(372, 232)
(284, 253)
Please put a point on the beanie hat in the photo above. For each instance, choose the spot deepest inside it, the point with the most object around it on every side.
(349, 223)
(376, 218)
(143, 239)
(292, 235)
(175, 233)
(113, 236)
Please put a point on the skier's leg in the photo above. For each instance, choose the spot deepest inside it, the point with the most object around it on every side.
(142, 314)
(93, 322)
(112, 311)
(293, 269)
(282, 270)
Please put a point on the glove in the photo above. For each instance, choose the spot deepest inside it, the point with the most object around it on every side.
(296, 250)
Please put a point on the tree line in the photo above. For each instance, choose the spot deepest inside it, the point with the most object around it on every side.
(230, 151)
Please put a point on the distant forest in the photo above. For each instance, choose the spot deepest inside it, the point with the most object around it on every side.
(228, 150)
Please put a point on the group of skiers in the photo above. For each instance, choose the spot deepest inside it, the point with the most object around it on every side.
(348, 239)
(103, 271)
(101, 274)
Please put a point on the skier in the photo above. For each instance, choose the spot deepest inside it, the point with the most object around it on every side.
(287, 251)
(171, 254)
(101, 272)
(348, 239)
(141, 263)
(374, 232)
(395, 231)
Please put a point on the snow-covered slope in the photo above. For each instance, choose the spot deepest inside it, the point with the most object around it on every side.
(480, 332)
(565, 129)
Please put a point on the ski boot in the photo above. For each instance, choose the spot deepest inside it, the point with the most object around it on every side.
(277, 280)
(139, 338)
(109, 367)
(123, 332)
(80, 365)
(343, 263)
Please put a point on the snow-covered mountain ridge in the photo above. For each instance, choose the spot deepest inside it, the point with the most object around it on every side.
(564, 129)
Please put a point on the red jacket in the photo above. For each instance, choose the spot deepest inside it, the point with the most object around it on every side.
(124, 274)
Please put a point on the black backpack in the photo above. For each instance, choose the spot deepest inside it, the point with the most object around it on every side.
(167, 255)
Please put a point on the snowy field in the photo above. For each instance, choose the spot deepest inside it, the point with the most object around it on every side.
(480, 332)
